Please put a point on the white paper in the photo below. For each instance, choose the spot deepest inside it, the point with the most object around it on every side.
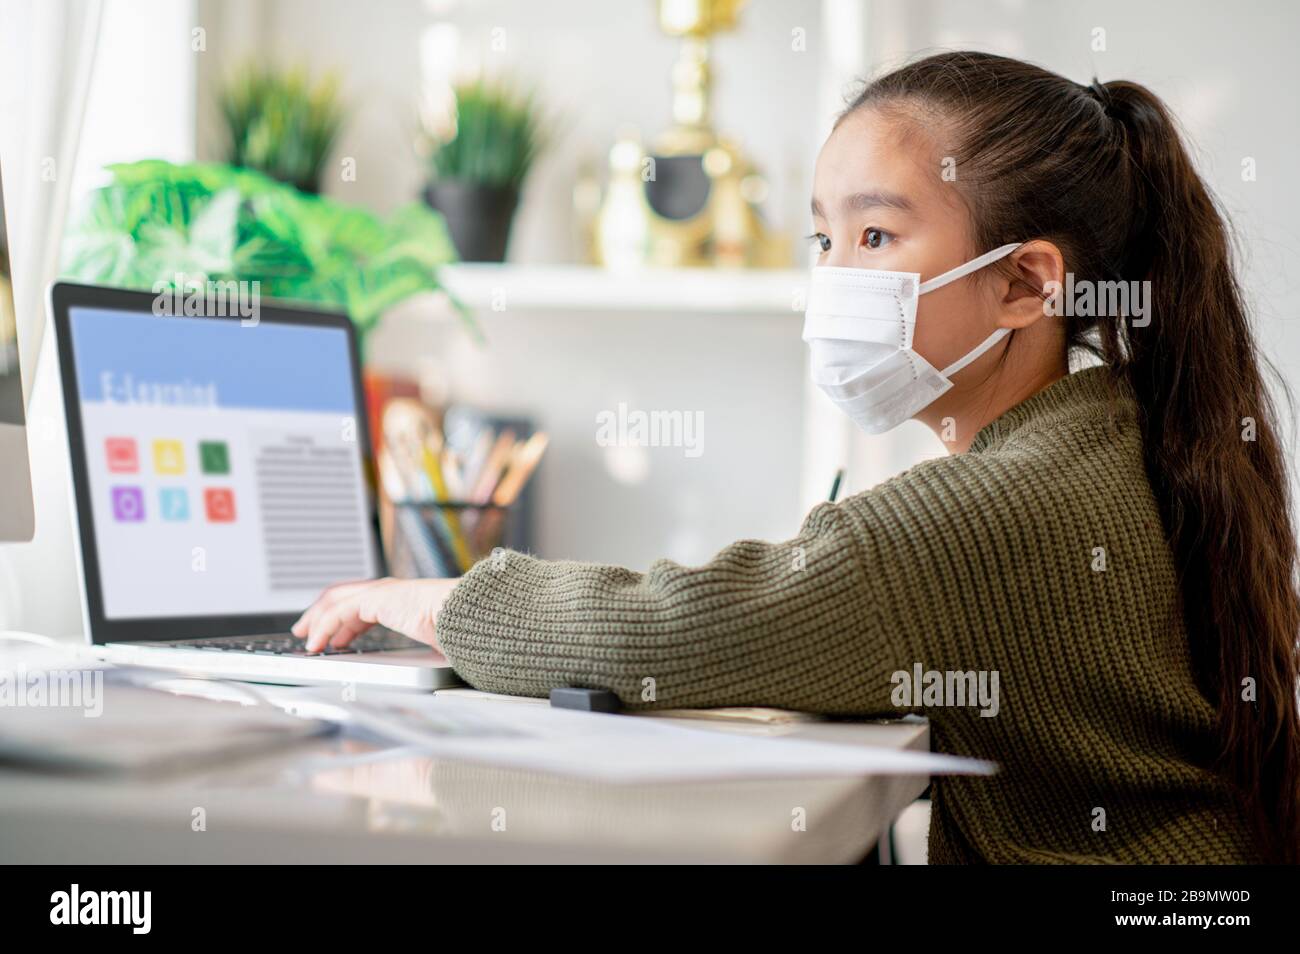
(612, 748)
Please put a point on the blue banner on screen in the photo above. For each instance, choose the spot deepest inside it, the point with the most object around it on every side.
(224, 463)
(126, 357)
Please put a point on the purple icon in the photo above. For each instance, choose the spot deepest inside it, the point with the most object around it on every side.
(128, 504)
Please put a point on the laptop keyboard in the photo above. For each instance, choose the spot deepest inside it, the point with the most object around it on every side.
(374, 640)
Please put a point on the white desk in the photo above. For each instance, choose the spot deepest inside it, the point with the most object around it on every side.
(345, 799)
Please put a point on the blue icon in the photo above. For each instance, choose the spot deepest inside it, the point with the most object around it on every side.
(174, 503)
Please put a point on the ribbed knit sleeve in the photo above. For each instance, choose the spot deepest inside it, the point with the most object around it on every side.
(949, 566)
(778, 624)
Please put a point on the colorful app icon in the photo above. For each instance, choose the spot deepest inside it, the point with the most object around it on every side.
(122, 456)
(168, 457)
(214, 458)
(128, 504)
(219, 502)
(174, 503)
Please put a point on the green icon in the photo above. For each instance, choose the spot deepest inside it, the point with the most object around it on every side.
(213, 457)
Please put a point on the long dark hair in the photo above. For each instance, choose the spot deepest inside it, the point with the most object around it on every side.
(1102, 172)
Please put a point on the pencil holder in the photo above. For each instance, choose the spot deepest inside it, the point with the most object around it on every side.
(443, 539)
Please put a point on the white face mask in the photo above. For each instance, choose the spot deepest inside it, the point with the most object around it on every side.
(859, 325)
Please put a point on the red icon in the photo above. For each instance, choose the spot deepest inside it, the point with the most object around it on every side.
(122, 457)
(219, 502)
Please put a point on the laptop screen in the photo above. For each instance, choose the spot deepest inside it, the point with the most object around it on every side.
(224, 463)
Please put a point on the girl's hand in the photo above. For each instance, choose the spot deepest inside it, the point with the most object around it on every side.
(343, 612)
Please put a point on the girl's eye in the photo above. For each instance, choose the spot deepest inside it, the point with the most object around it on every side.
(823, 241)
(876, 238)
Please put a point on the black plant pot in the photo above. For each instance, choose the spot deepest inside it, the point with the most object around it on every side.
(478, 217)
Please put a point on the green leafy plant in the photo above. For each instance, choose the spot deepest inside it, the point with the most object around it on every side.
(159, 222)
(281, 123)
(496, 133)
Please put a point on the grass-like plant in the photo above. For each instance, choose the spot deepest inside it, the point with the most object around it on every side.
(281, 123)
(496, 133)
(156, 221)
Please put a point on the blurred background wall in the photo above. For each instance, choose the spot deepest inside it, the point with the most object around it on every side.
(567, 343)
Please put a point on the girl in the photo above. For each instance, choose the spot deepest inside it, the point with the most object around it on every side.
(1115, 543)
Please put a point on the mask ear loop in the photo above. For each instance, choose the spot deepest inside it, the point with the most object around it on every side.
(978, 350)
(974, 265)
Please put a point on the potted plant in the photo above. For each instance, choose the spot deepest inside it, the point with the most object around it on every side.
(156, 221)
(478, 163)
(281, 124)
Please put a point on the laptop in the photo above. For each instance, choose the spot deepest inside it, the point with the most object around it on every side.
(221, 479)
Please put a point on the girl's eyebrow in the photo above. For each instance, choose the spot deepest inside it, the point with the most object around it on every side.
(861, 201)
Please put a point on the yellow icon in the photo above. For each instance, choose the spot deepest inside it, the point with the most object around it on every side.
(168, 457)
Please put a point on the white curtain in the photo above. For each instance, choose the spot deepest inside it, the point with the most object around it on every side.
(47, 53)
(45, 69)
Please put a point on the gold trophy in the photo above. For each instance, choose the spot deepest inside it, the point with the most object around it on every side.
(692, 199)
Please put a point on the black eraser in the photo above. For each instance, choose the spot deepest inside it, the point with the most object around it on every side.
(587, 700)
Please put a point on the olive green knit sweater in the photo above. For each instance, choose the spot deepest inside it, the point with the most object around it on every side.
(1038, 554)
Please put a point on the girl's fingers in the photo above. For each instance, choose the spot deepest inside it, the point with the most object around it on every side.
(348, 632)
(345, 611)
(303, 623)
(341, 614)
(309, 616)
(328, 598)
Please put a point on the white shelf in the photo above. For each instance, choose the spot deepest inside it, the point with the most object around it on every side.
(483, 286)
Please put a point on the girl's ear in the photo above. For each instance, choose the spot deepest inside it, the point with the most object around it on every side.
(1033, 265)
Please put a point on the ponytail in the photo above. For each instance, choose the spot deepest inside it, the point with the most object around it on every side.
(1215, 464)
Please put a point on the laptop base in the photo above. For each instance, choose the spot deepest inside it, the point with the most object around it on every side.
(422, 669)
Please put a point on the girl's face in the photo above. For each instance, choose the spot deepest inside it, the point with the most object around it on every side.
(880, 201)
